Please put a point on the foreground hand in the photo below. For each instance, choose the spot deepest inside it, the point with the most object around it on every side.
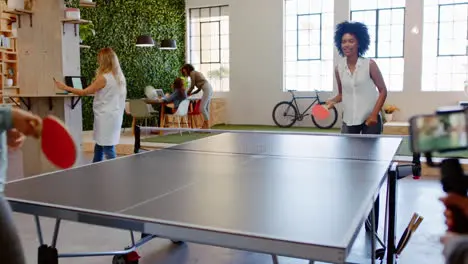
(447, 237)
(457, 201)
(25, 122)
(371, 120)
(15, 139)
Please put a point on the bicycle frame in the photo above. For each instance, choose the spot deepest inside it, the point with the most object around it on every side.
(295, 98)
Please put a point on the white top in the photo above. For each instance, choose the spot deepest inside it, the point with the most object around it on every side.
(108, 108)
(359, 93)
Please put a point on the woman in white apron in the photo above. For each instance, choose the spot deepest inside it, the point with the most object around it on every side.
(197, 79)
(110, 91)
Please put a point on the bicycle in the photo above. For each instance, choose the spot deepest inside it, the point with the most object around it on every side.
(292, 111)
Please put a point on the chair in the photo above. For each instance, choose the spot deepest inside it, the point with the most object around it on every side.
(139, 110)
(195, 113)
(182, 112)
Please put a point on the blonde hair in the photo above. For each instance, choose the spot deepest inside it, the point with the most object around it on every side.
(109, 63)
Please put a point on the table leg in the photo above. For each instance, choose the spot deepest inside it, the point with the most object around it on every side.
(275, 259)
(133, 126)
(137, 142)
(162, 119)
(49, 254)
(416, 169)
(392, 214)
(373, 230)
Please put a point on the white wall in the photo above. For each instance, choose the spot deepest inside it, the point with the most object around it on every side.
(256, 67)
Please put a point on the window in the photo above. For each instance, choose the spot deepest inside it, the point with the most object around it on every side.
(452, 30)
(387, 30)
(209, 44)
(309, 37)
(308, 45)
(445, 60)
(386, 23)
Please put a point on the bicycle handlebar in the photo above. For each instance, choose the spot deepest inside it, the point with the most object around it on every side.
(292, 91)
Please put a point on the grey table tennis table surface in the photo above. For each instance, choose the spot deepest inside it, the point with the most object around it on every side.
(291, 195)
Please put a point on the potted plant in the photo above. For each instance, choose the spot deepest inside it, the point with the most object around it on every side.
(10, 76)
(221, 73)
(86, 31)
(389, 110)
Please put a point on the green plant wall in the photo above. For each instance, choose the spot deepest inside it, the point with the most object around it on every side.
(118, 23)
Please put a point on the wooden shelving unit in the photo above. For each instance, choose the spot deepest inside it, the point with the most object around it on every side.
(9, 56)
(19, 13)
(85, 5)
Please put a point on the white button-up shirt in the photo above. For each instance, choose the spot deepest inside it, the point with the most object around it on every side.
(359, 93)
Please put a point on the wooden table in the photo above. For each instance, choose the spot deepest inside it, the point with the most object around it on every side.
(217, 114)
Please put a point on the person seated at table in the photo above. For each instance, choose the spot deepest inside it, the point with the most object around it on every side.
(173, 100)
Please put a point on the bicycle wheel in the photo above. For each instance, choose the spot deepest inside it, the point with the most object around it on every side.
(284, 114)
(327, 123)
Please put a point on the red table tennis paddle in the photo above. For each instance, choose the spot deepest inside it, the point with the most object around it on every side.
(320, 112)
(57, 143)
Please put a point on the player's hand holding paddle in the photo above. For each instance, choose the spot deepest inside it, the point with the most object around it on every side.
(15, 139)
(371, 120)
(320, 111)
(25, 122)
(330, 104)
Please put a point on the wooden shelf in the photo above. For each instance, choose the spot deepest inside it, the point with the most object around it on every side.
(75, 22)
(19, 13)
(86, 4)
(26, 99)
(10, 61)
(43, 96)
(11, 87)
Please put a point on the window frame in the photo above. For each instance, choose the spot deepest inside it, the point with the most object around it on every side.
(297, 36)
(210, 50)
(196, 17)
(200, 50)
(438, 30)
(377, 11)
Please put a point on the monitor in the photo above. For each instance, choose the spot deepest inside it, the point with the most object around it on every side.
(76, 82)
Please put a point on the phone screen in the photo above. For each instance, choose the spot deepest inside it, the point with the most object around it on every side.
(439, 132)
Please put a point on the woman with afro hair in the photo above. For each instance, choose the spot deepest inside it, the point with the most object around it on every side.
(361, 88)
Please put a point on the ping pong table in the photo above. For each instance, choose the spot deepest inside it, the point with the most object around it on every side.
(299, 196)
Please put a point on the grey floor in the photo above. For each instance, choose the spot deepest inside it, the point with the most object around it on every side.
(413, 196)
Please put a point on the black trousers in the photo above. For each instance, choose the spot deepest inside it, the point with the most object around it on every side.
(11, 250)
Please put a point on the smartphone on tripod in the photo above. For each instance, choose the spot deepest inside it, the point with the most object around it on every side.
(443, 131)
